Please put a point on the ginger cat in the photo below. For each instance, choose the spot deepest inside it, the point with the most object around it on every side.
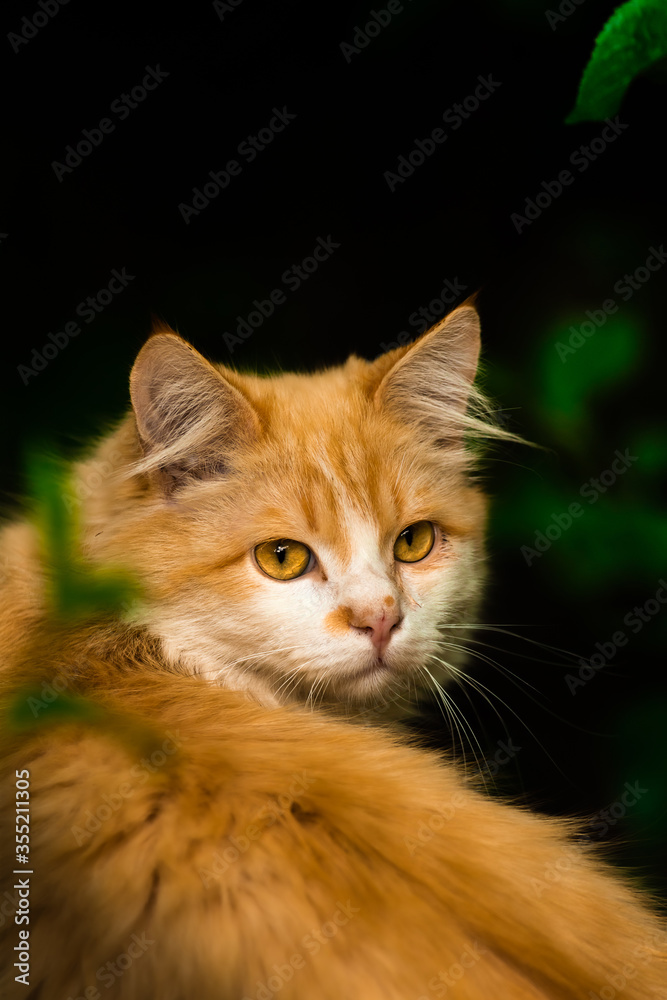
(193, 827)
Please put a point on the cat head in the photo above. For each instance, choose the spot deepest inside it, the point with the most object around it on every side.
(305, 536)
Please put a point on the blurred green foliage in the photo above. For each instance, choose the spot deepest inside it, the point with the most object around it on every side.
(30, 703)
(584, 403)
(633, 39)
(76, 589)
(35, 707)
(570, 394)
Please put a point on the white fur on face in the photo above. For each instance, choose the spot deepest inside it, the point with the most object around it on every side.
(293, 640)
(334, 460)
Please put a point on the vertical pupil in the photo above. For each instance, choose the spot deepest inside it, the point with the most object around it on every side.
(281, 552)
(408, 536)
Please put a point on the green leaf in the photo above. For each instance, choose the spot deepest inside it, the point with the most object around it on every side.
(634, 38)
(594, 368)
(29, 708)
(76, 589)
(33, 708)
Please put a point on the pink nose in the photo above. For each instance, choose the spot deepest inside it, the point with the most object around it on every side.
(379, 627)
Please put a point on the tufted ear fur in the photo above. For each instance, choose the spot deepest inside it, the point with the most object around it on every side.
(189, 418)
(431, 383)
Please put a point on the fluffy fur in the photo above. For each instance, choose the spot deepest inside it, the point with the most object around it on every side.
(210, 463)
(197, 839)
(249, 836)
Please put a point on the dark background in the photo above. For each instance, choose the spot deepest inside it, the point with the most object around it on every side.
(451, 219)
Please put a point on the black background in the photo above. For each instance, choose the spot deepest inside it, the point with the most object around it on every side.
(324, 176)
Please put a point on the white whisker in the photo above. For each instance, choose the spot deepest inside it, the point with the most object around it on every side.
(487, 694)
(457, 713)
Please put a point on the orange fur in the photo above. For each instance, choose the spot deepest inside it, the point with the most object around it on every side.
(274, 833)
(212, 462)
(218, 840)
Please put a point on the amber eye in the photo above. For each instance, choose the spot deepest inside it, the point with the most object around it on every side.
(415, 542)
(283, 559)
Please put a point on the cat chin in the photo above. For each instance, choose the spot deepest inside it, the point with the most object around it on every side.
(374, 687)
(390, 687)
(377, 668)
(383, 686)
(377, 688)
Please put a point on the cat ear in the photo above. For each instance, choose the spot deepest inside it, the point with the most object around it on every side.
(189, 417)
(431, 381)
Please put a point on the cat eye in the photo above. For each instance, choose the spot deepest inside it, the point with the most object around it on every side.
(415, 542)
(283, 559)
